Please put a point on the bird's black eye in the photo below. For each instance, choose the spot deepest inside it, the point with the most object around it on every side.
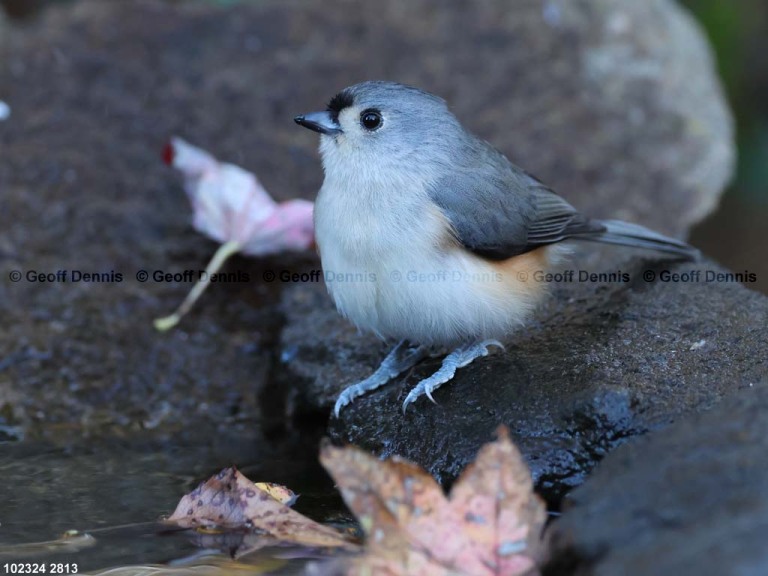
(370, 119)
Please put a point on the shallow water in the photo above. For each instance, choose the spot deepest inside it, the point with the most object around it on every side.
(117, 490)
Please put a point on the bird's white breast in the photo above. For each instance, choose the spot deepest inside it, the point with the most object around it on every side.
(391, 266)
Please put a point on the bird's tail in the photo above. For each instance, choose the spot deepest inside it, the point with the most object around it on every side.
(636, 236)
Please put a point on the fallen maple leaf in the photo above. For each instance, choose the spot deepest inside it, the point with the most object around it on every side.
(278, 492)
(230, 500)
(231, 206)
(490, 525)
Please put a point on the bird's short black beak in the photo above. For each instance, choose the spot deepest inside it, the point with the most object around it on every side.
(321, 122)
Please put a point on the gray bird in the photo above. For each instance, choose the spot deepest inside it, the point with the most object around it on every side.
(429, 236)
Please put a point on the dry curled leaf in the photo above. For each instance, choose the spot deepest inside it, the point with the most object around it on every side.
(231, 206)
(490, 525)
(278, 492)
(230, 500)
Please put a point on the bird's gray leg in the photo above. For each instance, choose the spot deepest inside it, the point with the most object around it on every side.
(459, 358)
(401, 358)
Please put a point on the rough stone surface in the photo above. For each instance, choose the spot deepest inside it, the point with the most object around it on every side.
(692, 499)
(599, 363)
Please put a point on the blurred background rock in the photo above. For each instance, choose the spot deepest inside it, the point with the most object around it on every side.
(735, 235)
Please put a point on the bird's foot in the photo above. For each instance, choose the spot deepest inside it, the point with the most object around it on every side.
(459, 358)
(401, 358)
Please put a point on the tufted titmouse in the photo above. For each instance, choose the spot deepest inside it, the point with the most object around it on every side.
(428, 235)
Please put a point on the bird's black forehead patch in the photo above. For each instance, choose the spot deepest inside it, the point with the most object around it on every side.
(343, 99)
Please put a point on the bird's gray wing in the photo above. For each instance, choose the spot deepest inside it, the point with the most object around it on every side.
(555, 220)
(500, 217)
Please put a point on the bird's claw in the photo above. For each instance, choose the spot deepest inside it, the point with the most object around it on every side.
(402, 358)
(345, 398)
(459, 358)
